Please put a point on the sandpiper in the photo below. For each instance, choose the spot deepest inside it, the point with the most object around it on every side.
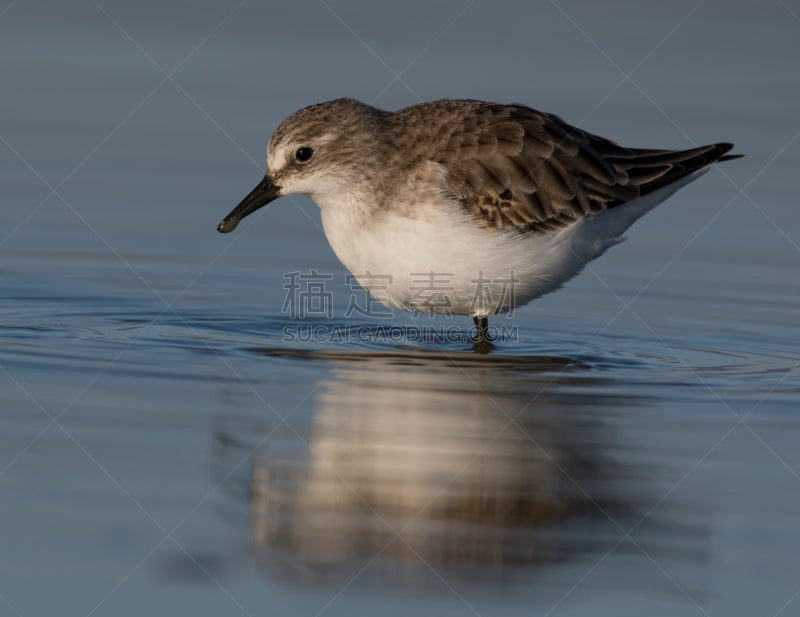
(501, 202)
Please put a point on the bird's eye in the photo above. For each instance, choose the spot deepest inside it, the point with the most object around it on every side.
(303, 155)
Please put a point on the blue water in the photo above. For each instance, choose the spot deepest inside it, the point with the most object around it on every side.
(168, 443)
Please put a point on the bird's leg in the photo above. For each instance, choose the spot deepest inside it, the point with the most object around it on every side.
(481, 329)
(482, 343)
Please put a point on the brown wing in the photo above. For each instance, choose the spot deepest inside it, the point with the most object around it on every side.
(519, 169)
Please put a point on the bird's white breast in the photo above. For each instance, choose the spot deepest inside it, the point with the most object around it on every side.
(436, 260)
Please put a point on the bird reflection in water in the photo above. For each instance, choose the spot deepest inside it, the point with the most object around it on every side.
(470, 469)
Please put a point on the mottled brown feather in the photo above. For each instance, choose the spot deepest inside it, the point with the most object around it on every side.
(518, 169)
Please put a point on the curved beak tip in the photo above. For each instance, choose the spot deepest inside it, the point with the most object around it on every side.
(226, 226)
(260, 196)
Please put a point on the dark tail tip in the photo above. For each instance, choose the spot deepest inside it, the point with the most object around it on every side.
(723, 148)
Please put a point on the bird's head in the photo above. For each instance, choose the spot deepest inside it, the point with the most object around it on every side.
(315, 152)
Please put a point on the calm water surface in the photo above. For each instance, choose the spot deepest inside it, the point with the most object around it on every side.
(166, 447)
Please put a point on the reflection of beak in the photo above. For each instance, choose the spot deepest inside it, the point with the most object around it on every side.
(265, 192)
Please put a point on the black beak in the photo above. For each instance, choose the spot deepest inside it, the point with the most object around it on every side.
(265, 192)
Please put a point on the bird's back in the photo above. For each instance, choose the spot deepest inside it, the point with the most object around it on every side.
(517, 169)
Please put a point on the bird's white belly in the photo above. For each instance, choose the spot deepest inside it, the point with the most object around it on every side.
(443, 264)
(439, 261)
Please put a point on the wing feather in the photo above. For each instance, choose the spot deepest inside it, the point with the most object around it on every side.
(515, 168)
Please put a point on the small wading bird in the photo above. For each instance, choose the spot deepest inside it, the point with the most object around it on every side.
(476, 191)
